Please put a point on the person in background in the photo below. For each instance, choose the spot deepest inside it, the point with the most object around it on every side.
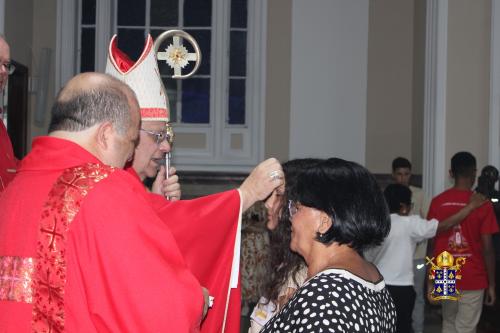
(394, 256)
(8, 162)
(472, 239)
(289, 270)
(401, 174)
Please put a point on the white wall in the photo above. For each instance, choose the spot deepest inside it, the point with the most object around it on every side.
(328, 79)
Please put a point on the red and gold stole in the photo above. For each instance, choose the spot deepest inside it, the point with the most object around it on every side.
(49, 278)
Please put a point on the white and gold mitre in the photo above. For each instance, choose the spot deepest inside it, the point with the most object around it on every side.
(143, 77)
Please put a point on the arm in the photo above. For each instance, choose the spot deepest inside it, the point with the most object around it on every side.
(475, 201)
(131, 257)
(489, 262)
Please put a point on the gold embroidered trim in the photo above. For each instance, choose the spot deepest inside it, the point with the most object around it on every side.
(62, 206)
(16, 276)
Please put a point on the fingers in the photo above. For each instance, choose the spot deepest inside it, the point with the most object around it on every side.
(490, 297)
(206, 303)
(158, 183)
(171, 188)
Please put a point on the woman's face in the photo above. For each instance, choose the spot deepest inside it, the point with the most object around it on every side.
(273, 205)
(305, 225)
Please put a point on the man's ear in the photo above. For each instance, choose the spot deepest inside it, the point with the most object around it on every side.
(104, 134)
(325, 223)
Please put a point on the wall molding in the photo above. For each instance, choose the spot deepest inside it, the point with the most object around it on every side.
(434, 158)
(65, 42)
(494, 109)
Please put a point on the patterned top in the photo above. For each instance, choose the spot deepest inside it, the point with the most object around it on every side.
(336, 300)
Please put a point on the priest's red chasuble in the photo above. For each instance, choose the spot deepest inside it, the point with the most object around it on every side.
(206, 230)
(112, 264)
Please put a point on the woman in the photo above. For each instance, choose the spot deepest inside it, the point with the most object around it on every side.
(289, 270)
(337, 211)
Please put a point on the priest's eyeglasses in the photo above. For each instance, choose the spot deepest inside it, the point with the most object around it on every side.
(160, 136)
(8, 67)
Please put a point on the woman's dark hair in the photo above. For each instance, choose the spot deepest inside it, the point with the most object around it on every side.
(395, 195)
(350, 195)
(284, 262)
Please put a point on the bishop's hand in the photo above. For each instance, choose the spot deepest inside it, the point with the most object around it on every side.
(167, 187)
(266, 176)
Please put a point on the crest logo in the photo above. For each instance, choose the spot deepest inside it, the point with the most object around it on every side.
(445, 275)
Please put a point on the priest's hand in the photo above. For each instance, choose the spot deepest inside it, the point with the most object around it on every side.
(261, 182)
(169, 188)
(206, 304)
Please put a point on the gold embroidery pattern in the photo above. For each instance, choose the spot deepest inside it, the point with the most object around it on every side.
(15, 279)
(62, 205)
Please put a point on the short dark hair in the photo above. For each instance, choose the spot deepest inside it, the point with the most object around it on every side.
(463, 164)
(395, 195)
(90, 107)
(400, 162)
(490, 172)
(350, 195)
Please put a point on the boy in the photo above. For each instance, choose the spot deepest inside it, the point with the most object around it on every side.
(471, 239)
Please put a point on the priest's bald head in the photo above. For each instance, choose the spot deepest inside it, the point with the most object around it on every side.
(99, 113)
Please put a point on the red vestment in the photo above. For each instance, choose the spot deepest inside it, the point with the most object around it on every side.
(8, 162)
(123, 269)
(205, 230)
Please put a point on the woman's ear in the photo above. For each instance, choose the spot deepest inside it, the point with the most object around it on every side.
(325, 223)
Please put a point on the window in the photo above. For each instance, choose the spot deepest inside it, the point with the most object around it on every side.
(217, 113)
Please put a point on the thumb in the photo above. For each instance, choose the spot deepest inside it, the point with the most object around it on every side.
(157, 184)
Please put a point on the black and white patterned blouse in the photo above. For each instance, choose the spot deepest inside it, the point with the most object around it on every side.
(336, 300)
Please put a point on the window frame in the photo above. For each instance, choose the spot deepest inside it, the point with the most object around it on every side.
(217, 154)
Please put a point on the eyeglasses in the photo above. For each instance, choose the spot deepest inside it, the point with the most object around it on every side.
(292, 208)
(9, 67)
(161, 136)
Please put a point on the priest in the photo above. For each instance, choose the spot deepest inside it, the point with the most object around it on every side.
(80, 247)
(207, 230)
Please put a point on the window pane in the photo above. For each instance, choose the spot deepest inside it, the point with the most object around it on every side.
(196, 101)
(236, 108)
(238, 13)
(204, 39)
(238, 54)
(87, 56)
(131, 41)
(198, 13)
(132, 12)
(164, 13)
(171, 87)
(88, 11)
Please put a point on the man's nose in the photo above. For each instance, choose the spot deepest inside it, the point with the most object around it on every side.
(165, 146)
